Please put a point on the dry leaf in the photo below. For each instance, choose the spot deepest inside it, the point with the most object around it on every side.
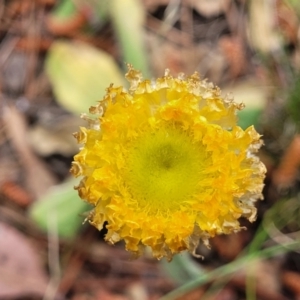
(266, 276)
(55, 137)
(234, 51)
(230, 246)
(262, 26)
(21, 272)
(287, 21)
(209, 8)
(292, 281)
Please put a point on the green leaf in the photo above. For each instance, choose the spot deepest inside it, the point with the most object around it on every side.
(99, 9)
(64, 10)
(295, 5)
(60, 210)
(128, 20)
(293, 102)
(68, 8)
(182, 268)
(80, 74)
(248, 117)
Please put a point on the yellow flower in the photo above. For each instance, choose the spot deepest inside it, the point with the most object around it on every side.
(166, 165)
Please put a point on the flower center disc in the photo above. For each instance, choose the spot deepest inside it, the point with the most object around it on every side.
(164, 169)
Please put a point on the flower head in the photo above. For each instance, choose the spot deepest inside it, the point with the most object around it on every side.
(165, 164)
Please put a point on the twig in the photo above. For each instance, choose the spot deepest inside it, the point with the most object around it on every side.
(53, 257)
(38, 179)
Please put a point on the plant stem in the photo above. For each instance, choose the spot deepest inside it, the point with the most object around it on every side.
(229, 269)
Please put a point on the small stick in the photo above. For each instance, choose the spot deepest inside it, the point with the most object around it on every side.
(286, 173)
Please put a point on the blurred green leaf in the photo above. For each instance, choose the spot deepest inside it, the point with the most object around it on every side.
(293, 103)
(80, 74)
(128, 20)
(295, 4)
(95, 9)
(64, 10)
(98, 8)
(60, 209)
(248, 117)
(182, 268)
